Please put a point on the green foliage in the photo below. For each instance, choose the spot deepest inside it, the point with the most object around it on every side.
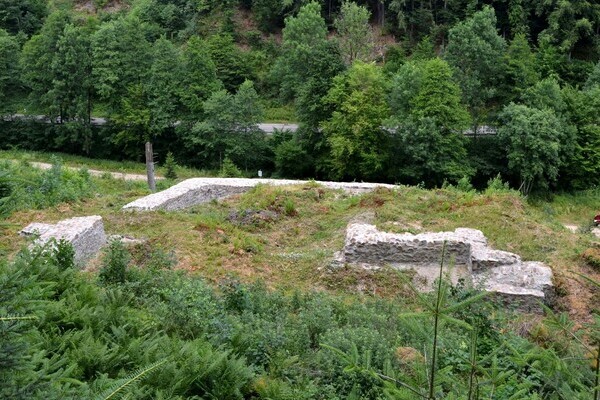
(114, 264)
(63, 255)
(354, 132)
(170, 166)
(476, 50)
(230, 170)
(26, 187)
(200, 76)
(583, 168)
(439, 97)
(232, 66)
(535, 142)
(9, 63)
(304, 37)
(496, 185)
(355, 35)
(121, 59)
(291, 159)
(594, 77)
(428, 153)
(230, 129)
(24, 16)
(521, 71)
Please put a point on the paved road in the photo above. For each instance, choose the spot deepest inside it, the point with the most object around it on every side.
(267, 127)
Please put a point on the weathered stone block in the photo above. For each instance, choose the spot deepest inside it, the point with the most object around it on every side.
(86, 234)
(202, 190)
(523, 284)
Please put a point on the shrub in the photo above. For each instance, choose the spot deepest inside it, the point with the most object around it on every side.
(495, 185)
(170, 166)
(64, 255)
(229, 169)
(114, 265)
(464, 185)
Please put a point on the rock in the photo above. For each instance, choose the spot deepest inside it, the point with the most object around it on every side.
(521, 285)
(202, 190)
(468, 257)
(86, 234)
(127, 240)
(368, 247)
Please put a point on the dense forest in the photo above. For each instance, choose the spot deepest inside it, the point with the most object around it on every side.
(382, 90)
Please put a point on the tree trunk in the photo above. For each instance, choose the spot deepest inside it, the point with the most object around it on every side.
(150, 166)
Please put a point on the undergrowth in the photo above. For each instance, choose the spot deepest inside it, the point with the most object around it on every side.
(155, 333)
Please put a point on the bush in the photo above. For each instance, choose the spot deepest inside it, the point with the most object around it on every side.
(170, 166)
(495, 185)
(229, 169)
(114, 265)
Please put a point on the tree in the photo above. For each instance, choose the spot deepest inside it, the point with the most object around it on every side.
(199, 77)
(25, 16)
(534, 141)
(440, 98)
(304, 37)
(429, 119)
(9, 64)
(570, 22)
(354, 132)
(355, 35)
(406, 83)
(582, 170)
(476, 51)
(121, 59)
(545, 94)
(231, 63)
(521, 71)
(594, 77)
(37, 63)
(230, 129)
(152, 106)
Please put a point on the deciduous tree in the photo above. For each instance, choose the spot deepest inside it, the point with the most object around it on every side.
(355, 34)
(354, 132)
(534, 141)
(476, 51)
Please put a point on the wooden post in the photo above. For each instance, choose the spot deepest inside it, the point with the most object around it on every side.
(150, 166)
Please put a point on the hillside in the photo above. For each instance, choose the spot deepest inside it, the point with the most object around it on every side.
(265, 248)
(380, 90)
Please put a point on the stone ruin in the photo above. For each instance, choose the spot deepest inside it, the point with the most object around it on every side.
(522, 284)
(202, 190)
(86, 234)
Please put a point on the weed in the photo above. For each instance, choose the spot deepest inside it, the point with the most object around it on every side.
(114, 264)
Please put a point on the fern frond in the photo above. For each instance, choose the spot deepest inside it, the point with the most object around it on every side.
(10, 317)
(128, 381)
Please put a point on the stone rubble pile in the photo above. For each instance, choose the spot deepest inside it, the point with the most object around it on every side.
(86, 234)
(467, 256)
(202, 190)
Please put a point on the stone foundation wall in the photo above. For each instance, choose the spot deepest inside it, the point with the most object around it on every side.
(86, 234)
(468, 256)
(201, 190)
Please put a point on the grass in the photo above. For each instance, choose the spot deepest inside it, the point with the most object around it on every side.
(294, 249)
(99, 164)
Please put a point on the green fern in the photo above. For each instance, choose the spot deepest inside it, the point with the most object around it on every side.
(125, 383)
(18, 318)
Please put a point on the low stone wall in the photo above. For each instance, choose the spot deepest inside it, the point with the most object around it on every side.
(202, 190)
(468, 256)
(86, 234)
